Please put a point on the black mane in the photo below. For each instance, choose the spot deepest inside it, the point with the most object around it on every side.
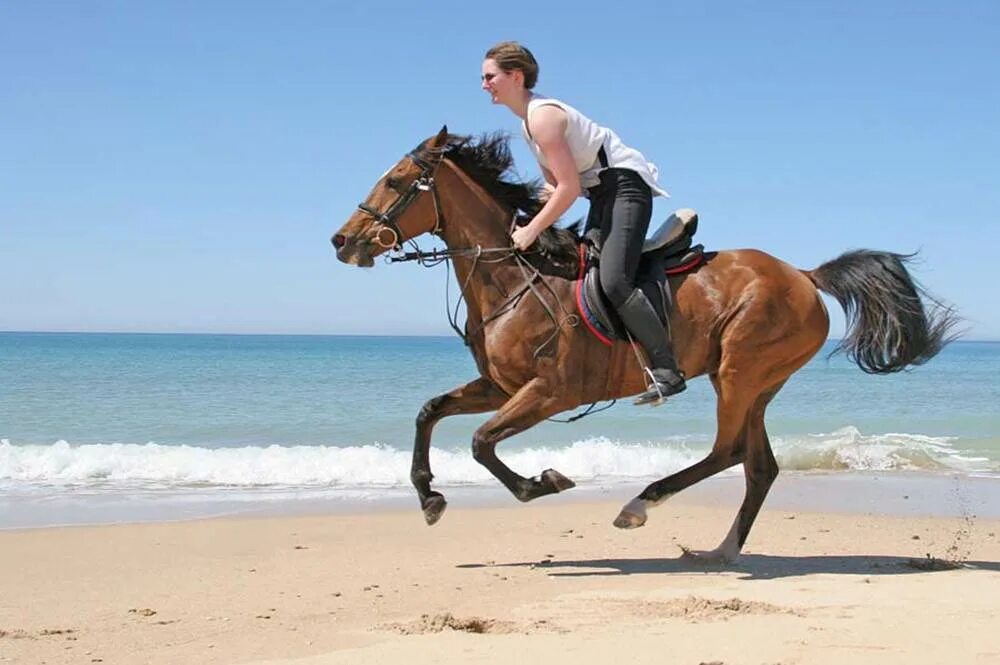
(487, 160)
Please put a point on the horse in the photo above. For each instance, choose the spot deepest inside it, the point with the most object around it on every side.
(744, 318)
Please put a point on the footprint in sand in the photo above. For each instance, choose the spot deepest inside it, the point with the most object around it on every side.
(694, 608)
(437, 623)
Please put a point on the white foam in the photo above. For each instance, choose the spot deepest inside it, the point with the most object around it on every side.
(374, 466)
(368, 466)
(849, 449)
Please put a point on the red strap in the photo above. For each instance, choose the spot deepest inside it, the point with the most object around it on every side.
(579, 301)
(690, 265)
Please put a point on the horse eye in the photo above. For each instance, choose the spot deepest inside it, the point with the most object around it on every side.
(393, 183)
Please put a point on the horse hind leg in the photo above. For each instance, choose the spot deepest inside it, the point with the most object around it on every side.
(760, 471)
(728, 449)
(529, 406)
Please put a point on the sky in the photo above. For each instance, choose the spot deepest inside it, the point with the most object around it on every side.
(180, 166)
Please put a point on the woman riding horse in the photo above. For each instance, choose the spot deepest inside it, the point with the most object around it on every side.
(574, 152)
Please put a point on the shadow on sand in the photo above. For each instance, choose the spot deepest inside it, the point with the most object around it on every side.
(752, 566)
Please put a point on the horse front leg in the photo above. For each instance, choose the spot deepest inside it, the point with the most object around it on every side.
(474, 397)
(529, 406)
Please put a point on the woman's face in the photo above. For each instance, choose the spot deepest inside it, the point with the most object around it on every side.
(503, 87)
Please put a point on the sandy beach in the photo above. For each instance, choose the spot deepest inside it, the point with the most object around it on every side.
(549, 582)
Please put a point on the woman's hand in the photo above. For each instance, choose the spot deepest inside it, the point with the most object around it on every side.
(524, 236)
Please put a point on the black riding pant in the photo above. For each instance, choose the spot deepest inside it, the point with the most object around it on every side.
(621, 207)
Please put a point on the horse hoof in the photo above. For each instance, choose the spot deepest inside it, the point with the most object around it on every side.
(627, 520)
(434, 508)
(712, 558)
(560, 482)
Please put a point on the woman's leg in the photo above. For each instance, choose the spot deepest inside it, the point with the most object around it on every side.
(627, 207)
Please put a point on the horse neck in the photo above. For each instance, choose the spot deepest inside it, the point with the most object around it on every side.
(474, 219)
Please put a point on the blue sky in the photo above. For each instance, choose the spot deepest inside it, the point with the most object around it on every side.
(180, 166)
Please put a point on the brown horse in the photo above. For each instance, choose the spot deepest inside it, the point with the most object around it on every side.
(744, 318)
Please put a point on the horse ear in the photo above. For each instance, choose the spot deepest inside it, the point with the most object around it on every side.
(441, 139)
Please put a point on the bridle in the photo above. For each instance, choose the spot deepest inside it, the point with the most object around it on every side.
(390, 218)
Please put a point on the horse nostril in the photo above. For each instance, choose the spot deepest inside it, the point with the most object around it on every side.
(338, 240)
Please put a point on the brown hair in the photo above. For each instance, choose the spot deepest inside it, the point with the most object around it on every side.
(510, 56)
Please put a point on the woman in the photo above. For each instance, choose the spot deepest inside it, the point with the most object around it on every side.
(576, 153)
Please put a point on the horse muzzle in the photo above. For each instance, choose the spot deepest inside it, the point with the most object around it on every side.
(352, 252)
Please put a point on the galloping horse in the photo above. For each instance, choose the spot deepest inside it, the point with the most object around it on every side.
(744, 318)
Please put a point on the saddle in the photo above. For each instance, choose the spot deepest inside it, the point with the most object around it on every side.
(668, 252)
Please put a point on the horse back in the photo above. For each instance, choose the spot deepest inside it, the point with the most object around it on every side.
(739, 299)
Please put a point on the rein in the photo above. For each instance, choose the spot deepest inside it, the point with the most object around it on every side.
(436, 257)
(529, 272)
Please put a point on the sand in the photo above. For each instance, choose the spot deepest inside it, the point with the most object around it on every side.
(549, 582)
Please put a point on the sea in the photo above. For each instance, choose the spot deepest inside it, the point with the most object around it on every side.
(101, 427)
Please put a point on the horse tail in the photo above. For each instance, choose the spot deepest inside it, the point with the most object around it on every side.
(892, 322)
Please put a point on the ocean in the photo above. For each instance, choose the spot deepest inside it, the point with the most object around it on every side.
(105, 427)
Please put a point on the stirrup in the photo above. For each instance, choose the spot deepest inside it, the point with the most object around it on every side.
(658, 391)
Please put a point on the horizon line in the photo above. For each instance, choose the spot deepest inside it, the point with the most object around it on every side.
(302, 334)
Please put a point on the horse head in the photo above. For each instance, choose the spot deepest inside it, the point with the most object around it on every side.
(402, 205)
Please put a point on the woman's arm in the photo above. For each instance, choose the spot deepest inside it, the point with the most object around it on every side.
(550, 180)
(548, 186)
(548, 128)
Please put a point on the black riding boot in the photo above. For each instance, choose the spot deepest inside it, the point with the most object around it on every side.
(640, 318)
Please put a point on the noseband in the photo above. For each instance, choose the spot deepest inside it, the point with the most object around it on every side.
(390, 218)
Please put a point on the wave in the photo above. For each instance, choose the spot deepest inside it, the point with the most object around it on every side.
(848, 449)
(374, 466)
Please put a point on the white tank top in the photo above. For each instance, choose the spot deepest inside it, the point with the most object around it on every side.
(585, 138)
